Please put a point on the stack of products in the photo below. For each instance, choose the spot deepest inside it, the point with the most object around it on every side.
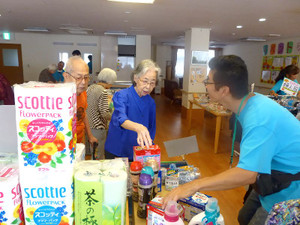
(11, 210)
(45, 116)
(100, 192)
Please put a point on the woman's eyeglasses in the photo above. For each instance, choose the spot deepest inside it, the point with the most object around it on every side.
(145, 83)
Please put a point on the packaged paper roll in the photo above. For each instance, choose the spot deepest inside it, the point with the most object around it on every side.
(45, 117)
(48, 197)
(80, 152)
(11, 210)
(114, 196)
(117, 164)
(88, 196)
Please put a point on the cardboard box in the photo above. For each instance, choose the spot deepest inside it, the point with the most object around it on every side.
(194, 205)
(143, 154)
(155, 213)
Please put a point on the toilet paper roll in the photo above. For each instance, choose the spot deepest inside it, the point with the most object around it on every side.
(80, 152)
(116, 164)
(114, 196)
(88, 196)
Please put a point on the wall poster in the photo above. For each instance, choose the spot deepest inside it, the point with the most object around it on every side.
(272, 65)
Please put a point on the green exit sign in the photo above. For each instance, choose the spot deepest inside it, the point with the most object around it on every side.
(6, 35)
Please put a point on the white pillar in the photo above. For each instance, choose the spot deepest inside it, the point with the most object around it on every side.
(143, 48)
(196, 43)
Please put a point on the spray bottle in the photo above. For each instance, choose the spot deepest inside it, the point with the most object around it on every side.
(211, 215)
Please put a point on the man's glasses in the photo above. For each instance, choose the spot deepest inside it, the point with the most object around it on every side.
(206, 82)
(79, 79)
(145, 83)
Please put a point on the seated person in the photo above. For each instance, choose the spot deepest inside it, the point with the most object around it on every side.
(47, 74)
(290, 72)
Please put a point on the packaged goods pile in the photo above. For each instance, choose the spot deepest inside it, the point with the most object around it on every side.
(45, 117)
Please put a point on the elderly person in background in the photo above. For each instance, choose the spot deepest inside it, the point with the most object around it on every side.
(47, 74)
(98, 109)
(58, 75)
(134, 119)
(77, 71)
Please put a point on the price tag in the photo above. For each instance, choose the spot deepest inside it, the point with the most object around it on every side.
(290, 87)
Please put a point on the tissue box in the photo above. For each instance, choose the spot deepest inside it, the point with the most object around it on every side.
(194, 205)
(45, 117)
(143, 154)
(155, 213)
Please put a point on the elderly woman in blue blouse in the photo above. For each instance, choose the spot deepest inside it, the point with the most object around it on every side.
(134, 119)
(290, 72)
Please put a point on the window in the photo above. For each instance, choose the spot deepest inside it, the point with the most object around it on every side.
(63, 56)
(179, 68)
(211, 54)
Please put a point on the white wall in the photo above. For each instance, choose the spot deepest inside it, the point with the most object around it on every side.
(252, 54)
(163, 54)
(38, 50)
(143, 48)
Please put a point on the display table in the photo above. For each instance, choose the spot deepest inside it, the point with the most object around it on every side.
(219, 115)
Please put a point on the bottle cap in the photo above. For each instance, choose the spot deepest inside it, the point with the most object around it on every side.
(148, 170)
(171, 212)
(212, 205)
(136, 166)
(145, 179)
(152, 163)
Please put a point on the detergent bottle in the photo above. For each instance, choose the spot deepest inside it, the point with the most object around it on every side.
(211, 215)
(171, 215)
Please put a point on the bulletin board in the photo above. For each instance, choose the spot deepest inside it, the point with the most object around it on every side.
(272, 65)
(276, 57)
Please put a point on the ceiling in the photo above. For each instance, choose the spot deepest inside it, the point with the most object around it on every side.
(166, 20)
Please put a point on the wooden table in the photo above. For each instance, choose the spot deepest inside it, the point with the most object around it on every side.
(215, 113)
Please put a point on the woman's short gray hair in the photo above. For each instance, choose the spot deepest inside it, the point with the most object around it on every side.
(143, 67)
(107, 75)
(52, 67)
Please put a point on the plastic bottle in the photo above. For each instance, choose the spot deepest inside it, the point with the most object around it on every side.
(154, 165)
(211, 215)
(171, 214)
(135, 171)
(145, 193)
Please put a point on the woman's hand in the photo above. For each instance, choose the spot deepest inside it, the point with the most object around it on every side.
(143, 136)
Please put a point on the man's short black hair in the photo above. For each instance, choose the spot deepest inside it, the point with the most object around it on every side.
(76, 52)
(231, 71)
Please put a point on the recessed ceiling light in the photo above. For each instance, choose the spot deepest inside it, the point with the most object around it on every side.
(118, 33)
(262, 19)
(127, 12)
(36, 29)
(239, 26)
(274, 35)
(134, 1)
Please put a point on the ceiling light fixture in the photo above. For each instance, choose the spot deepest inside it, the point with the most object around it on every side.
(255, 39)
(134, 1)
(274, 35)
(239, 26)
(262, 19)
(118, 33)
(36, 29)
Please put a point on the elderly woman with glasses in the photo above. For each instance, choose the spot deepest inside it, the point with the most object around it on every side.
(133, 121)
